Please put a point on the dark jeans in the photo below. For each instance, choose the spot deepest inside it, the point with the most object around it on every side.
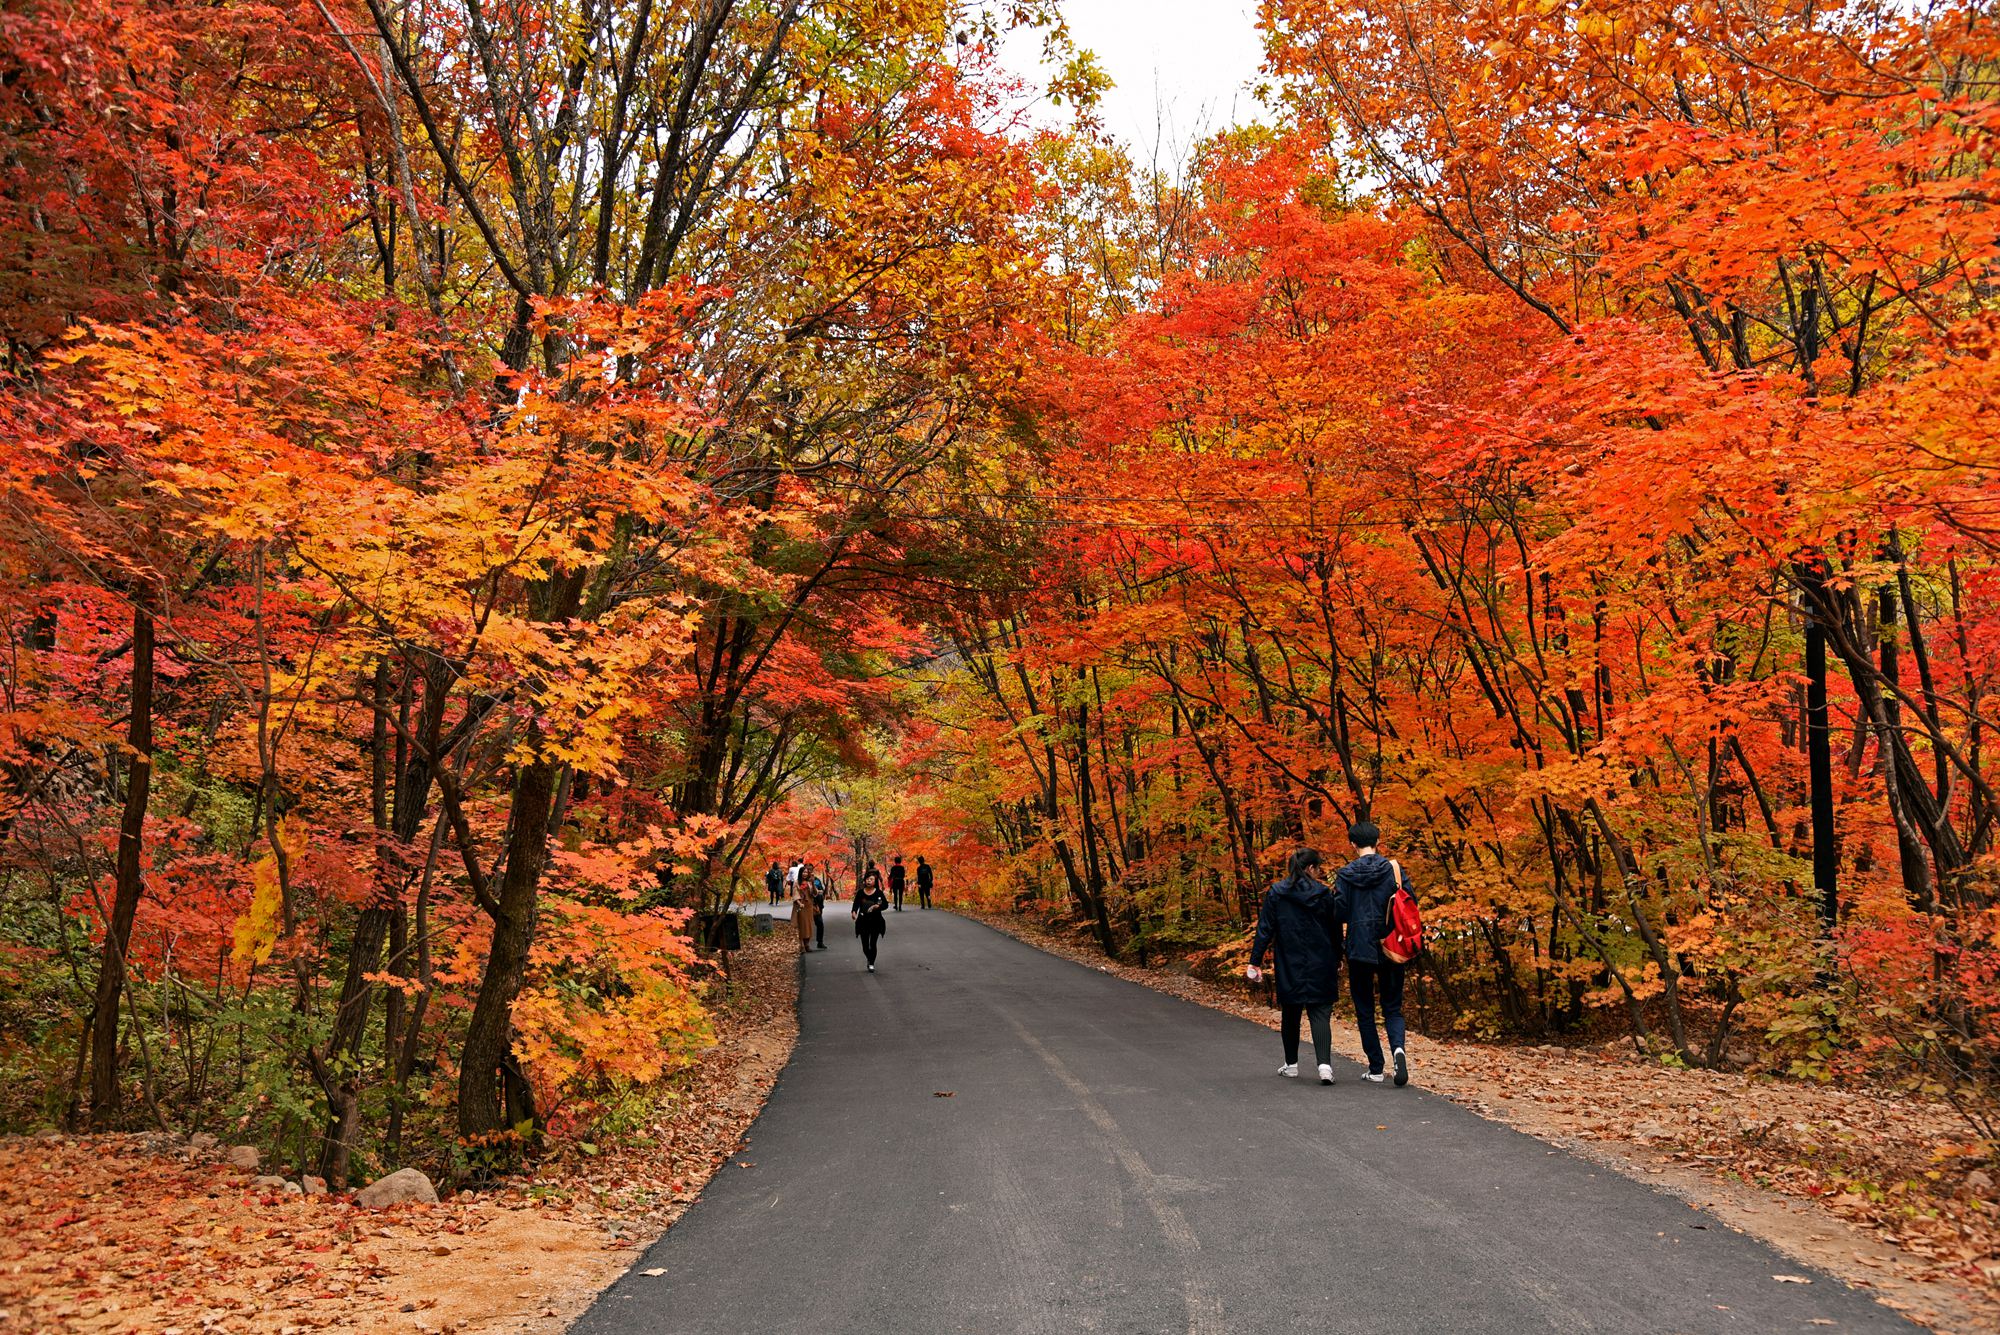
(1320, 1015)
(1363, 981)
(868, 943)
(897, 895)
(924, 895)
(819, 930)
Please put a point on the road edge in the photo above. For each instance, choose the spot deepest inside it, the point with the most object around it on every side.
(1808, 1234)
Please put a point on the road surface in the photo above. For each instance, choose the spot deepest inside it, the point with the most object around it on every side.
(1112, 1159)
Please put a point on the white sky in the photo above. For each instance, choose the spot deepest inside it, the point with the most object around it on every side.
(1183, 67)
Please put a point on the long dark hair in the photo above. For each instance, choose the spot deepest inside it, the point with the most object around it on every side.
(1303, 861)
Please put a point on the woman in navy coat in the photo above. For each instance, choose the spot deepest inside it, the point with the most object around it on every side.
(1300, 928)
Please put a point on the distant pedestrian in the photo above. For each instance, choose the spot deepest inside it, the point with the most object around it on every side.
(819, 910)
(923, 882)
(805, 917)
(792, 876)
(898, 878)
(774, 883)
(1364, 889)
(868, 909)
(1298, 924)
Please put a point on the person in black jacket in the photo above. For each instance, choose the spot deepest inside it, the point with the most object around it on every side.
(924, 878)
(898, 879)
(869, 904)
(774, 881)
(819, 908)
(1364, 888)
(1300, 928)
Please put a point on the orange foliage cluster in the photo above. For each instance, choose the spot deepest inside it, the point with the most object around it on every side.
(1531, 505)
(445, 516)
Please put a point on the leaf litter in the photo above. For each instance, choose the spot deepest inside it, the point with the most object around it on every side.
(145, 1232)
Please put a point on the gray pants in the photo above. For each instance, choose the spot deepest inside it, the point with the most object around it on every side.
(1319, 1014)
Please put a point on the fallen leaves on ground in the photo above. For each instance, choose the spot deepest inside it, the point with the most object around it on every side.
(142, 1232)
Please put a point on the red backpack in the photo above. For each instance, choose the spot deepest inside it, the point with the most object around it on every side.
(1406, 925)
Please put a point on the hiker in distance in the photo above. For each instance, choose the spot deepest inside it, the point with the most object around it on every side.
(898, 879)
(1365, 891)
(816, 891)
(805, 914)
(867, 910)
(774, 882)
(924, 877)
(1300, 926)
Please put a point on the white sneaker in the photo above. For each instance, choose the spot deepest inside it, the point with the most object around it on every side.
(1372, 1077)
(1326, 1075)
(1290, 1069)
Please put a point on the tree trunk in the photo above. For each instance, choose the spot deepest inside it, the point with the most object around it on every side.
(104, 1094)
(1819, 770)
(487, 1059)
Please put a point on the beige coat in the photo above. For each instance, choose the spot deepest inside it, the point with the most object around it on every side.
(803, 913)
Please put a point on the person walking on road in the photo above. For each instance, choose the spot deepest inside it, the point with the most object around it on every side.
(774, 883)
(924, 877)
(804, 916)
(898, 879)
(818, 896)
(1299, 925)
(1364, 888)
(869, 924)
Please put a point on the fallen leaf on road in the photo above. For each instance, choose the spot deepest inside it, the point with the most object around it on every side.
(655, 1272)
(1791, 1279)
(943, 1093)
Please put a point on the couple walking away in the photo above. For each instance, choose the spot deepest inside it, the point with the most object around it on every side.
(1307, 928)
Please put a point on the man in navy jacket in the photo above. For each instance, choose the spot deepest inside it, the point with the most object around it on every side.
(1362, 891)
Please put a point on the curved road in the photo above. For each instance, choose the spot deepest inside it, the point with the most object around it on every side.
(1113, 1159)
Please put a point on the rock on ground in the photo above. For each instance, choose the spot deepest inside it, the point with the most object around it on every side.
(242, 1158)
(401, 1187)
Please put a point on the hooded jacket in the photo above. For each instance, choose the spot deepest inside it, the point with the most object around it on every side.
(1364, 888)
(1298, 925)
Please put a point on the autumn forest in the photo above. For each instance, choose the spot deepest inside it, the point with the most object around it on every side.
(483, 479)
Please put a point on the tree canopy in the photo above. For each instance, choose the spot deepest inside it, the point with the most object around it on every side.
(485, 479)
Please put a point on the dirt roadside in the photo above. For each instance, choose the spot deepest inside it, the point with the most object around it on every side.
(1859, 1184)
(145, 1233)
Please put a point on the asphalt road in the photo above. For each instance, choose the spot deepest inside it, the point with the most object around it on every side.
(1112, 1159)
